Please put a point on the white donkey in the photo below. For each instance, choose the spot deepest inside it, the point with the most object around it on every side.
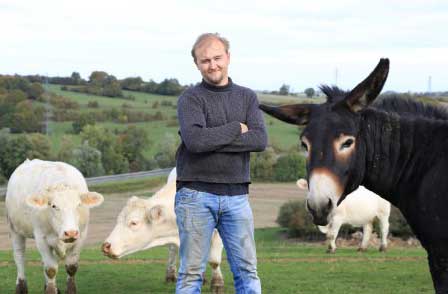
(49, 201)
(359, 209)
(147, 223)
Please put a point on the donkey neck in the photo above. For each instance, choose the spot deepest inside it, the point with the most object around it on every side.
(398, 151)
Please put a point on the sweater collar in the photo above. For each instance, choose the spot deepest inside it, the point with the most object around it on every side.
(215, 88)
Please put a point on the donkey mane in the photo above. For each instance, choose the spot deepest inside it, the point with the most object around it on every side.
(392, 103)
(411, 108)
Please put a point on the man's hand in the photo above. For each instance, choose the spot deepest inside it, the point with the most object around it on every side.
(244, 128)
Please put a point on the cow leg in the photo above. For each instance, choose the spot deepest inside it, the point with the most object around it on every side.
(170, 276)
(71, 264)
(214, 259)
(384, 225)
(332, 234)
(50, 265)
(19, 246)
(366, 233)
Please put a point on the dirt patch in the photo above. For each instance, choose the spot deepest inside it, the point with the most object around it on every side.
(265, 200)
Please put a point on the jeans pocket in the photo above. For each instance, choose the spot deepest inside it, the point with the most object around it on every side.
(185, 196)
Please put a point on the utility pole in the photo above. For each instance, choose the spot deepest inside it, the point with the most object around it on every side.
(429, 84)
(336, 76)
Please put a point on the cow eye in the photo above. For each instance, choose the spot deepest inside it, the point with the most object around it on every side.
(347, 144)
(133, 223)
(54, 206)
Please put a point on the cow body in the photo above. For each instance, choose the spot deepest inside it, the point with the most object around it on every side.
(147, 223)
(359, 209)
(49, 202)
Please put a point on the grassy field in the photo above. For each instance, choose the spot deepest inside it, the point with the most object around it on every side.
(285, 267)
(281, 135)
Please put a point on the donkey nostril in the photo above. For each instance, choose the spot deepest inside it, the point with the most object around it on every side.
(330, 204)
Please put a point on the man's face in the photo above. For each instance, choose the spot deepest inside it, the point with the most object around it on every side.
(213, 61)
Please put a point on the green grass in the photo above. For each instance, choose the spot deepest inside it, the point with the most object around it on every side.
(129, 185)
(285, 267)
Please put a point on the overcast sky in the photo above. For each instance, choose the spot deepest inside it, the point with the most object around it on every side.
(300, 43)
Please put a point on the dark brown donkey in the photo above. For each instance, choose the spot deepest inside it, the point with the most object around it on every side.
(398, 149)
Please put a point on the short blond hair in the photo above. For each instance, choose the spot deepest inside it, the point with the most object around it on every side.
(207, 36)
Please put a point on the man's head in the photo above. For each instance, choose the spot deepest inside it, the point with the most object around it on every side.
(211, 56)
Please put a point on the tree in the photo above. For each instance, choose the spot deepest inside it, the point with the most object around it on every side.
(83, 120)
(98, 78)
(76, 78)
(309, 92)
(133, 84)
(106, 142)
(133, 142)
(87, 159)
(284, 90)
(14, 151)
(166, 157)
(35, 91)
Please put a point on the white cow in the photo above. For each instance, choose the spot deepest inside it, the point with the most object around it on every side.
(49, 201)
(147, 223)
(359, 209)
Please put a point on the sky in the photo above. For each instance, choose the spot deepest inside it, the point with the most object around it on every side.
(299, 43)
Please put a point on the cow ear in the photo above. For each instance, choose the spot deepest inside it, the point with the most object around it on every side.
(302, 184)
(366, 91)
(297, 114)
(38, 201)
(91, 199)
(155, 214)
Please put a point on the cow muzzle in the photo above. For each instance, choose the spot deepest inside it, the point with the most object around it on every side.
(70, 236)
(107, 251)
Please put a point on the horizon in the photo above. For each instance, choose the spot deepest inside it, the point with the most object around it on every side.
(296, 43)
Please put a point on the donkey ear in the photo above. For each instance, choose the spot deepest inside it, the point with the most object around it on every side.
(297, 114)
(366, 91)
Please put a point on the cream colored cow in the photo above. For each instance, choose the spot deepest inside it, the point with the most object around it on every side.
(49, 201)
(147, 223)
(359, 209)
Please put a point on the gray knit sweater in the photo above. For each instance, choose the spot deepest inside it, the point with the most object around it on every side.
(212, 149)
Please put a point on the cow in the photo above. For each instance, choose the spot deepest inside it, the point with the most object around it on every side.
(147, 223)
(49, 202)
(397, 150)
(359, 209)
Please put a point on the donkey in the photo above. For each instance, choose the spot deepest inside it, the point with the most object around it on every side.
(399, 153)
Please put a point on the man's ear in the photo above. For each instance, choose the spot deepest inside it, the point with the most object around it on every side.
(37, 201)
(91, 199)
(155, 214)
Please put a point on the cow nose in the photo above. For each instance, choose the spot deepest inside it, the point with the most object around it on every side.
(106, 248)
(71, 234)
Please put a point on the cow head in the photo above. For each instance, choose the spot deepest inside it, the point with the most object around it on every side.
(141, 224)
(66, 209)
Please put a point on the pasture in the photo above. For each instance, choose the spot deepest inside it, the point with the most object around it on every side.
(285, 266)
(283, 137)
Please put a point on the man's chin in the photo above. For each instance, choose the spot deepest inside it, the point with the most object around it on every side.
(214, 81)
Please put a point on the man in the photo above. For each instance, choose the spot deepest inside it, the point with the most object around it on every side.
(220, 125)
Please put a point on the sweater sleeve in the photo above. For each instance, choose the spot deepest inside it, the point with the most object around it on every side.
(254, 140)
(193, 131)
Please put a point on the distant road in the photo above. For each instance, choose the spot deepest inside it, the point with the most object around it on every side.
(115, 178)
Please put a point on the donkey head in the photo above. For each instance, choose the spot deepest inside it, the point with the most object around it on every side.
(331, 139)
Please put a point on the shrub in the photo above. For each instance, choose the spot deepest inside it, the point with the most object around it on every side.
(87, 159)
(93, 104)
(293, 216)
(398, 224)
(262, 164)
(290, 167)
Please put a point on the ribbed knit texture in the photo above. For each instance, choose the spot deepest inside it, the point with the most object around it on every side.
(212, 149)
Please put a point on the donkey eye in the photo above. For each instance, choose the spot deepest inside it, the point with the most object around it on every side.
(347, 144)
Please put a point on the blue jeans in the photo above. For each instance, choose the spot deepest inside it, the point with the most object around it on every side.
(197, 215)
